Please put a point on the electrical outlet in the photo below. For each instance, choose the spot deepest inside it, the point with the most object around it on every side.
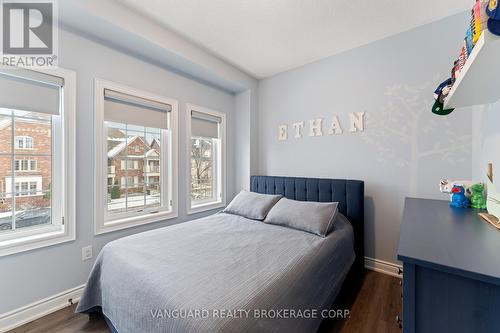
(86, 252)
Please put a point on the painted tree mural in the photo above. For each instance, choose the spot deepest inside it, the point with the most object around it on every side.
(401, 130)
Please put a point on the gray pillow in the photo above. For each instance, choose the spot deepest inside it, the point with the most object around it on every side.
(313, 217)
(252, 205)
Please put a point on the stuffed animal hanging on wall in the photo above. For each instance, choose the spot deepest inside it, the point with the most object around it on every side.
(458, 198)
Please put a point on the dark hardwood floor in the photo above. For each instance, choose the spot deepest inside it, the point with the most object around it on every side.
(373, 308)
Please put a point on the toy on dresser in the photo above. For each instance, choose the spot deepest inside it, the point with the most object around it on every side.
(446, 186)
(477, 199)
(458, 198)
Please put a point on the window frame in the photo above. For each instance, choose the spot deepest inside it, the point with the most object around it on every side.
(133, 219)
(221, 171)
(64, 164)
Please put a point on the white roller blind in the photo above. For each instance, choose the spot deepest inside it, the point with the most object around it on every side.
(204, 125)
(28, 90)
(123, 108)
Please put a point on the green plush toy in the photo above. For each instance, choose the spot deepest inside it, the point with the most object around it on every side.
(477, 199)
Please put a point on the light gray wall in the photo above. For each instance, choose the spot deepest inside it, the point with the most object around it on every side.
(34, 275)
(243, 137)
(405, 149)
(246, 155)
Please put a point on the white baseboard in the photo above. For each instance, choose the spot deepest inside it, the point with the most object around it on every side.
(382, 266)
(33, 311)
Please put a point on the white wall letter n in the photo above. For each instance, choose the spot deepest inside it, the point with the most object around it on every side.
(356, 121)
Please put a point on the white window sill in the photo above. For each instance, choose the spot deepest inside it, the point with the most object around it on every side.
(134, 221)
(26, 240)
(203, 207)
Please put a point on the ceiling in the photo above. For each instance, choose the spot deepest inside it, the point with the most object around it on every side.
(266, 37)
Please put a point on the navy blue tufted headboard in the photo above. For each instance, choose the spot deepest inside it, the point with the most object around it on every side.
(349, 193)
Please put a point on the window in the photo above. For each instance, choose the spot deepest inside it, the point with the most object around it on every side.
(36, 181)
(130, 181)
(137, 132)
(25, 186)
(130, 164)
(23, 142)
(25, 165)
(206, 137)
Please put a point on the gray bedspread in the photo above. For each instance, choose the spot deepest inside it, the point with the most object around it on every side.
(219, 274)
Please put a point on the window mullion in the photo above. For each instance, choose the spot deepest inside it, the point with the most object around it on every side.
(125, 185)
(215, 166)
(164, 160)
(56, 149)
(12, 182)
(144, 168)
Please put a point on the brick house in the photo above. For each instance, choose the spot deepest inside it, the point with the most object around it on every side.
(32, 181)
(135, 159)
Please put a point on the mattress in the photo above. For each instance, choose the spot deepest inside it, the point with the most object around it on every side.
(222, 273)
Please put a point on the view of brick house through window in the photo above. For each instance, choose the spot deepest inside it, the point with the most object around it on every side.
(25, 168)
(133, 175)
(202, 168)
(206, 130)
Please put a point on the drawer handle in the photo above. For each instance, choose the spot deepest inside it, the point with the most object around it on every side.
(399, 321)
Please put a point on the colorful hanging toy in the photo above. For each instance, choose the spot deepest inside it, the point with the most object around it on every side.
(458, 198)
(477, 199)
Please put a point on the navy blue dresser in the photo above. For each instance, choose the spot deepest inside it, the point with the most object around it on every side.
(451, 269)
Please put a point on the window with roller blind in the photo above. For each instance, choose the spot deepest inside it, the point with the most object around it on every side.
(206, 167)
(37, 110)
(135, 157)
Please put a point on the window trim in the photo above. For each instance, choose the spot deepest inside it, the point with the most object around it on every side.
(102, 226)
(202, 207)
(26, 240)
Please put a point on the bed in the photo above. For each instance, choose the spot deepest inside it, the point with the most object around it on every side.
(226, 273)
